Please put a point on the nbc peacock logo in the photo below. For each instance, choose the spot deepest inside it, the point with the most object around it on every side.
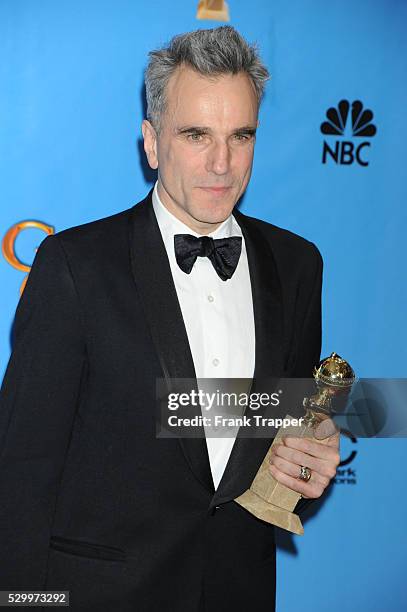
(347, 121)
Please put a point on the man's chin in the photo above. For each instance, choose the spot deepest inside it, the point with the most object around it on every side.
(212, 219)
(218, 213)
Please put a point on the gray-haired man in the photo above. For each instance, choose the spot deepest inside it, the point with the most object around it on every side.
(179, 286)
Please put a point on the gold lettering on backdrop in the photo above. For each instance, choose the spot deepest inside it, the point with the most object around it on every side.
(8, 244)
(213, 9)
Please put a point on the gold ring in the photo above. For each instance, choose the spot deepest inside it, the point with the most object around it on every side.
(305, 473)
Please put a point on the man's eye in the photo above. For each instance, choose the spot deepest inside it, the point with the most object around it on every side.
(195, 137)
(242, 137)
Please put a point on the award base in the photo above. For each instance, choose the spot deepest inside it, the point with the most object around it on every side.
(219, 11)
(270, 513)
(269, 500)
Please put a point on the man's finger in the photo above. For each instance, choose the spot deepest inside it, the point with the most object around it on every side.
(311, 488)
(295, 457)
(325, 450)
(293, 469)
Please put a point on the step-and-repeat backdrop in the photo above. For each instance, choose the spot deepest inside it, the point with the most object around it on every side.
(329, 165)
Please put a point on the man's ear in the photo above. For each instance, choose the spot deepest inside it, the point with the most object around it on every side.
(150, 143)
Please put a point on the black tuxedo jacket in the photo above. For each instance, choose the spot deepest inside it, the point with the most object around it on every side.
(90, 500)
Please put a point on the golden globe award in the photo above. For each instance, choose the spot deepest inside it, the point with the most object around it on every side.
(271, 501)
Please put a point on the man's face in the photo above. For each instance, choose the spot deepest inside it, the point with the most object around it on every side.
(204, 150)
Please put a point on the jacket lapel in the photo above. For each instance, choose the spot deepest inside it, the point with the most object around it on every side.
(156, 289)
(248, 453)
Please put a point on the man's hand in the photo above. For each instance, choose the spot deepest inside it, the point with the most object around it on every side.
(321, 458)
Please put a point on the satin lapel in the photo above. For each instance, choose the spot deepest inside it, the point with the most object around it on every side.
(155, 285)
(248, 453)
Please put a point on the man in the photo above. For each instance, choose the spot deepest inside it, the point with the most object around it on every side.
(91, 501)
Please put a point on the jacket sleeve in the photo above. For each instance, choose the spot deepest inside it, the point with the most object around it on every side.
(309, 346)
(38, 401)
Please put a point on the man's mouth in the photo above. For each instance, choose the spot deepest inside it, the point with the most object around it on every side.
(216, 190)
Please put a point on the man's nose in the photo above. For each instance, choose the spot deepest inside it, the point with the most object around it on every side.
(218, 160)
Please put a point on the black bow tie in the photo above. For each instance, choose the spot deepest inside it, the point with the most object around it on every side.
(224, 253)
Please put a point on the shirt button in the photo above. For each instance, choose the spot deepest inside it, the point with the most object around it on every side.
(210, 298)
(215, 362)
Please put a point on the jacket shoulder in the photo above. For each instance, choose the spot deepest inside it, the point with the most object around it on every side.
(107, 235)
(285, 243)
(96, 229)
(102, 239)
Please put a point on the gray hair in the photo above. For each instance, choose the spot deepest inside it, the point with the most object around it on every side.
(212, 53)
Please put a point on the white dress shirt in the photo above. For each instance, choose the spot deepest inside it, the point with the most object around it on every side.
(218, 316)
